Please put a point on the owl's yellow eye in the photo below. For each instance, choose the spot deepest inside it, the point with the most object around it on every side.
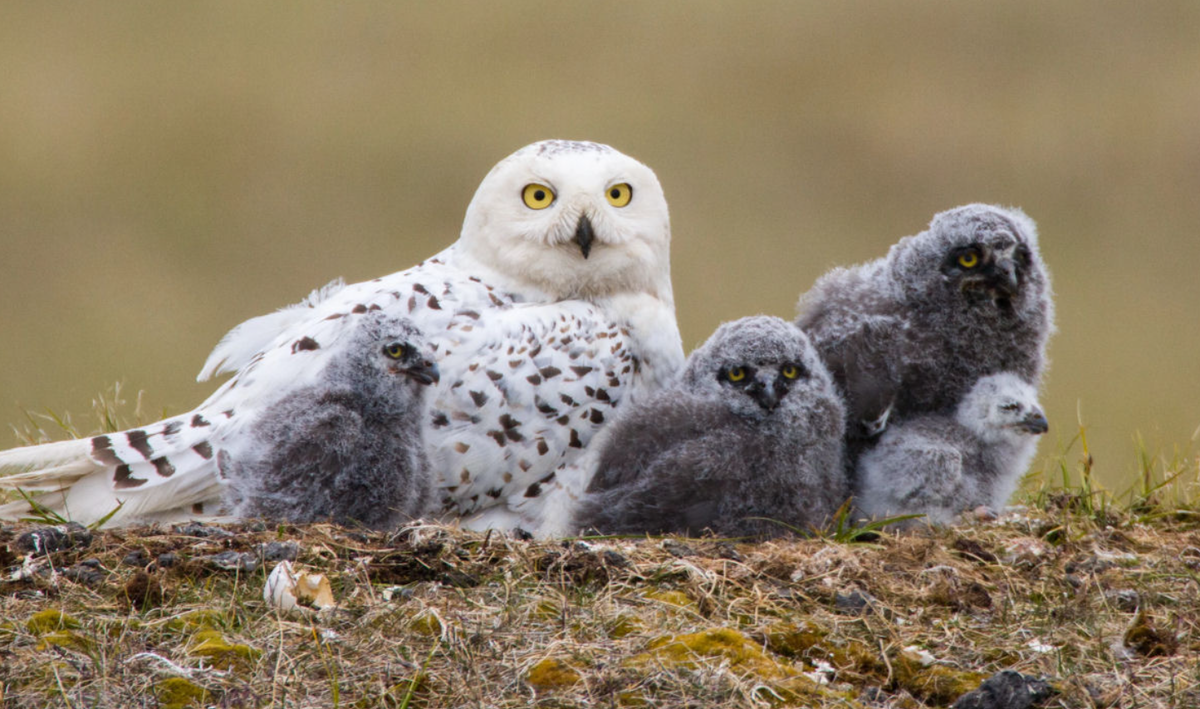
(619, 195)
(537, 196)
(736, 374)
(790, 371)
(395, 350)
(969, 259)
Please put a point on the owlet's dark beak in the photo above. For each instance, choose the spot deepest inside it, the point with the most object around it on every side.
(764, 392)
(1035, 423)
(1003, 277)
(584, 235)
(423, 371)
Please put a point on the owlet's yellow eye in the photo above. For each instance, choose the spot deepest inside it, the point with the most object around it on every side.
(619, 195)
(537, 196)
(790, 371)
(395, 350)
(736, 374)
(969, 259)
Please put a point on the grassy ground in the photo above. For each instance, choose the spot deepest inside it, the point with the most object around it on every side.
(1099, 598)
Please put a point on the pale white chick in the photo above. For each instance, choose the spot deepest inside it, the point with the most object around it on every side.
(940, 465)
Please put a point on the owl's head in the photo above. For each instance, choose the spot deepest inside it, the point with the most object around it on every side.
(758, 365)
(978, 256)
(572, 220)
(387, 351)
(1002, 407)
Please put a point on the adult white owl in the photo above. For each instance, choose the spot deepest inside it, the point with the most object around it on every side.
(552, 311)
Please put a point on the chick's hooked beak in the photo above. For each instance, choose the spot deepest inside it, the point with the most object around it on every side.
(584, 235)
(1003, 276)
(423, 371)
(1034, 422)
(764, 391)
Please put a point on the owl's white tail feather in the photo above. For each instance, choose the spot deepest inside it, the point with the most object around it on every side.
(144, 471)
(91, 498)
(254, 335)
(53, 460)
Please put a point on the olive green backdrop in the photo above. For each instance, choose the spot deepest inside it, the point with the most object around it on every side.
(170, 169)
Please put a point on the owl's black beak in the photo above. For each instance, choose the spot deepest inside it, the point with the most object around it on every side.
(584, 235)
(423, 371)
(1035, 423)
(1002, 277)
(765, 393)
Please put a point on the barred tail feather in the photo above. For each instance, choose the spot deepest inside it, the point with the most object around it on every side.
(162, 466)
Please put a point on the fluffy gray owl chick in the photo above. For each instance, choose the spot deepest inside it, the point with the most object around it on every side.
(753, 429)
(941, 464)
(347, 448)
(910, 333)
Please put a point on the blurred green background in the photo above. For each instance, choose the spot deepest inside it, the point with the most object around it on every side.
(169, 169)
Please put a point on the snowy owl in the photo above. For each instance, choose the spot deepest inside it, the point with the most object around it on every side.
(345, 448)
(551, 312)
(750, 436)
(939, 465)
(911, 332)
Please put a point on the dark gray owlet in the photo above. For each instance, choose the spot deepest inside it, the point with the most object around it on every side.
(939, 465)
(346, 447)
(748, 438)
(910, 333)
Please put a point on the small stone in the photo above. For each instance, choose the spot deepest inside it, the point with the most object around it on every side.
(166, 560)
(854, 603)
(1124, 599)
(398, 594)
(240, 561)
(678, 549)
(1006, 690)
(874, 695)
(204, 531)
(614, 559)
(726, 550)
(85, 574)
(279, 551)
(45, 540)
(137, 558)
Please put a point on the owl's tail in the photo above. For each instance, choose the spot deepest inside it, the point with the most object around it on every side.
(139, 474)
